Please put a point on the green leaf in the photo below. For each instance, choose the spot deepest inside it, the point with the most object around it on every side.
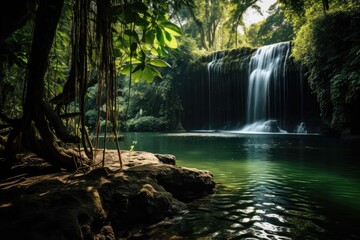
(132, 34)
(150, 36)
(155, 71)
(158, 63)
(168, 36)
(170, 41)
(138, 67)
(154, 52)
(148, 75)
(142, 56)
(134, 61)
(160, 35)
(136, 76)
(126, 69)
(172, 29)
(162, 52)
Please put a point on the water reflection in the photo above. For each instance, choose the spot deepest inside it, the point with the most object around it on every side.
(270, 187)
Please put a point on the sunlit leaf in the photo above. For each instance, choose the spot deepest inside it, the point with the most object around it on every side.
(154, 52)
(133, 60)
(136, 76)
(155, 71)
(162, 52)
(170, 41)
(126, 69)
(172, 29)
(158, 63)
(148, 75)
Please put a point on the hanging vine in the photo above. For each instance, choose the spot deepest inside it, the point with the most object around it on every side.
(145, 35)
(107, 74)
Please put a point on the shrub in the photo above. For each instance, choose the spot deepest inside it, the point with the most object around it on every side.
(147, 124)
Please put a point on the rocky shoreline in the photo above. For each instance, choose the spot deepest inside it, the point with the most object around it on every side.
(105, 203)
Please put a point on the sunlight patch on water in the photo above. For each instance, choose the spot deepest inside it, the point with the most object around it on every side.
(269, 186)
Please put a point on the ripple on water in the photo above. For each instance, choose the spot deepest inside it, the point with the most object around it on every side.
(241, 202)
(253, 233)
(271, 227)
(233, 217)
(276, 216)
(247, 210)
(226, 207)
(236, 225)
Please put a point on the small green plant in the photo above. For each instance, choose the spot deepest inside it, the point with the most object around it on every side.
(132, 148)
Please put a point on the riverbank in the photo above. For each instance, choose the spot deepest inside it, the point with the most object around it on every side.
(105, 203)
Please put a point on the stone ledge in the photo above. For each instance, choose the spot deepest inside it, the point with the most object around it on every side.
(106, 203)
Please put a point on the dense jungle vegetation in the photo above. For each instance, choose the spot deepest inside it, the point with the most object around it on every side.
(74, 68)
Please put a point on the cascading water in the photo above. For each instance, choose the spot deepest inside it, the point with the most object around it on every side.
(301, 128)
(263, 90)
(266, 96)
(213, 67)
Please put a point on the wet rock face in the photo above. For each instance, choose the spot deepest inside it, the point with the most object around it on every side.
(183, 183)
(166, 158)
(102, 204)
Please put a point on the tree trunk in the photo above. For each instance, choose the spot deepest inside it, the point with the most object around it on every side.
(200, 26)
(38, 117)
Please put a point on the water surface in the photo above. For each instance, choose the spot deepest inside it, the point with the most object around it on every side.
(269, 186)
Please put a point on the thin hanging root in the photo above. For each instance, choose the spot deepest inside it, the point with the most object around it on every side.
(80, 66)
(106, 71)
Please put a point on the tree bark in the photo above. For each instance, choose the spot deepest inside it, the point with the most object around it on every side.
(38, 117)
(201, 28)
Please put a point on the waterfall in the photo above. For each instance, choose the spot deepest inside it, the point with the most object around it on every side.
(266, 92)
(255, 90)
(213, 68)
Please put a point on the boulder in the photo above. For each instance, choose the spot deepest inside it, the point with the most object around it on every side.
(166, 158)
(183, 183)
(105, 203)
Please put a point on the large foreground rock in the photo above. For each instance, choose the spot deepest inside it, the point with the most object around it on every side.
(103, 204)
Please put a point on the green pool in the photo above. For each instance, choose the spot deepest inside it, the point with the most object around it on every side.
(269, 186)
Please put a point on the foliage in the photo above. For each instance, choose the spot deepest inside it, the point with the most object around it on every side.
(160, 98)
(328, 45)
(147, 124)
(143, 34)
(216, 24)
(14, 55)
(237, 13)
(300, 12)
(92, 37)
(275, 28)
(60, 55)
